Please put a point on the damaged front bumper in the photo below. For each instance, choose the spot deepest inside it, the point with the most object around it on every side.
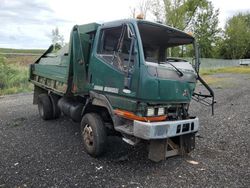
(164, 129)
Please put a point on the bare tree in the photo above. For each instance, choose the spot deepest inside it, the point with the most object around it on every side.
(157, 9)
(133, 12)
(144, 7)
(57, 39)
(141, 9)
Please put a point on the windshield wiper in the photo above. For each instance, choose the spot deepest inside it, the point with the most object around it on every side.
(178, 71)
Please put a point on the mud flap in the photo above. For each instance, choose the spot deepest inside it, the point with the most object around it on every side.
(161, 149)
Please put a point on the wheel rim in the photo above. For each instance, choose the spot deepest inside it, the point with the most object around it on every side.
(87, 134)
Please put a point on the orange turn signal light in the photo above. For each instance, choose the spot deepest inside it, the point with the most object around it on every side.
(129, 115)
(190, 33)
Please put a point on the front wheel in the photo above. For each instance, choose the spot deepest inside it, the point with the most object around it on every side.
(93, 134)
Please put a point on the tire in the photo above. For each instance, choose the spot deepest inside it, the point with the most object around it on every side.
(45, 107)
(93, 134)
(54, 101)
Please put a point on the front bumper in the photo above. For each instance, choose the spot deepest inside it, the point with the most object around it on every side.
(164, 129)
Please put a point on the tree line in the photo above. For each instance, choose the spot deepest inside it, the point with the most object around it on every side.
(201, 19)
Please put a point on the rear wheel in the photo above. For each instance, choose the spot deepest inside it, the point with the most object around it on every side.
(93, 134)
(45, 107)
(54, 101)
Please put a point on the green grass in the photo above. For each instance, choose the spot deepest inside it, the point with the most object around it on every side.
(211, 80)
(13, 78)
(11, 50)
(207, 74)
(236, 70)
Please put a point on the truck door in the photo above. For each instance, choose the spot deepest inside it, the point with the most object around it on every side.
(115, 61)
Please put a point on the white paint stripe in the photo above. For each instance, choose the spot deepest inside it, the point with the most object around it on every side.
(111, 89)
(100, 88)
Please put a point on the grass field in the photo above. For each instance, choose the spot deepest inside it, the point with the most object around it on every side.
(236, 70)
(207, 74)
(30, 51)
(13, 78)
(14, 69)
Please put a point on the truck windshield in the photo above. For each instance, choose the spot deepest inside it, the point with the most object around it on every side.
(165, 44)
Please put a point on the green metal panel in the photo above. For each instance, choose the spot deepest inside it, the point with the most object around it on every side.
(53, 72)
(122, 102)
(88, 28)
(107, 79)
(80, 49)
(155, 89)
(145, 88)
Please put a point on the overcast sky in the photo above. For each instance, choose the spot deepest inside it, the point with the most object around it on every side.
(28, 23)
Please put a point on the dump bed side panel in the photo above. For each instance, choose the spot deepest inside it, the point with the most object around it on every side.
(51, 73)
(65, 70)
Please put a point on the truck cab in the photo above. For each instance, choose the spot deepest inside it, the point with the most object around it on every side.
(132, 78)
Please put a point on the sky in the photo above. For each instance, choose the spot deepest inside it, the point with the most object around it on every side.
(28, 23)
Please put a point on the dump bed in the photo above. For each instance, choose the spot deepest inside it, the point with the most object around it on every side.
(65, 69)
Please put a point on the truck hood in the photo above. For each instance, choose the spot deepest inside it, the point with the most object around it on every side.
(166, 71)
(161, 82)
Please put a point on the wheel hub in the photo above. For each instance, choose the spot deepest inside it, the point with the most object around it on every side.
(88, 135)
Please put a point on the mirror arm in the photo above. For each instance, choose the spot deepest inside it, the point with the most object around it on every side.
(130, 54)
(120, 42)
(127, 79)
(197, 57)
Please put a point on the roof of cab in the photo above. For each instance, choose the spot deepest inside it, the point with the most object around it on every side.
(136, 21)
(92, 27)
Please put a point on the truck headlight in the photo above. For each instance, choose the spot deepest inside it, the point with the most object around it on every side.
(161, 111)
(150, 112)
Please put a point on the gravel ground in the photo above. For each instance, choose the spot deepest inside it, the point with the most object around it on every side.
(35, 153)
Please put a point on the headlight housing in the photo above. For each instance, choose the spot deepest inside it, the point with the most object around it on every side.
(150, 112)
(155, 111)
(161, 111)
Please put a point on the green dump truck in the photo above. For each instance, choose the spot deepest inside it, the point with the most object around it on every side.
(131, 78)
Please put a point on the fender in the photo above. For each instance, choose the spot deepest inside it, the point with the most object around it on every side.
(97, 99)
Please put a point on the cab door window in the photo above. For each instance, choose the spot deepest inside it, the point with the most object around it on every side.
(114, 47)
